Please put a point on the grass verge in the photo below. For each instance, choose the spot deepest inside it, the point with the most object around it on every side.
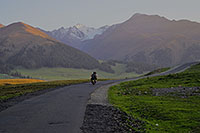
(160, 70)
(13, 90)
(162, 113)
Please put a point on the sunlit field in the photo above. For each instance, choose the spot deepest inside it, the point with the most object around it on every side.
(18, 81)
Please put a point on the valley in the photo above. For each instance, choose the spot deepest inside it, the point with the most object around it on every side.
(143, 39)
(72, 73)
(148, 77)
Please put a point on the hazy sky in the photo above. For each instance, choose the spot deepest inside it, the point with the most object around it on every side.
(52, 14)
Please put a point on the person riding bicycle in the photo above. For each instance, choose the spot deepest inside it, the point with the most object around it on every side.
(93, 78)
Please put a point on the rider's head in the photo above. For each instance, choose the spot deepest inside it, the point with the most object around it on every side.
(94, 73)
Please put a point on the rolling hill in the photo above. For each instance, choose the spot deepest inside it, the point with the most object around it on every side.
(1, 25)
(22, 45)
(150, 39)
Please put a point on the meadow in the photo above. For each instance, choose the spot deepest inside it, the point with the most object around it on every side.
(72, 73)
(176, 111)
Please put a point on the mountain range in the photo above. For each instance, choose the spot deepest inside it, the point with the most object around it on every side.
(75, 35)
(148, 39)
(143, 39)
(22, 45)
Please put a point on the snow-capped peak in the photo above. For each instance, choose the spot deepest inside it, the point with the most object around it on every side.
(90, 32)
(78, 32)
(79, 26)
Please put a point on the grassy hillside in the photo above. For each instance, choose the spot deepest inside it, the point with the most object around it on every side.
(164, 103)
(148, 39)
(22, 45)
(160, 70)
(71, 73)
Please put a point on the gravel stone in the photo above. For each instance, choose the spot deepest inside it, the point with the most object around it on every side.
(107, 119)
(102, 117)
(177, 91)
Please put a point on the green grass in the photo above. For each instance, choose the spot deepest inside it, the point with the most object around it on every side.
(166, 113)
(193, 69)
(11, 91)
(160, 70)
(72, 74)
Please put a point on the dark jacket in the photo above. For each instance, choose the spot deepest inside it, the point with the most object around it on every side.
(94, 76)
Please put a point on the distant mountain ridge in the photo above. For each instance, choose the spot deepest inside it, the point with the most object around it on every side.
(22, 45)
(74, 35)
(143, 39)
(148, 39)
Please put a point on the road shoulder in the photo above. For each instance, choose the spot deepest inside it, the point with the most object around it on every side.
(101, 116)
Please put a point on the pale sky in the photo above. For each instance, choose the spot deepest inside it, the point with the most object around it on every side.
(53, 14)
